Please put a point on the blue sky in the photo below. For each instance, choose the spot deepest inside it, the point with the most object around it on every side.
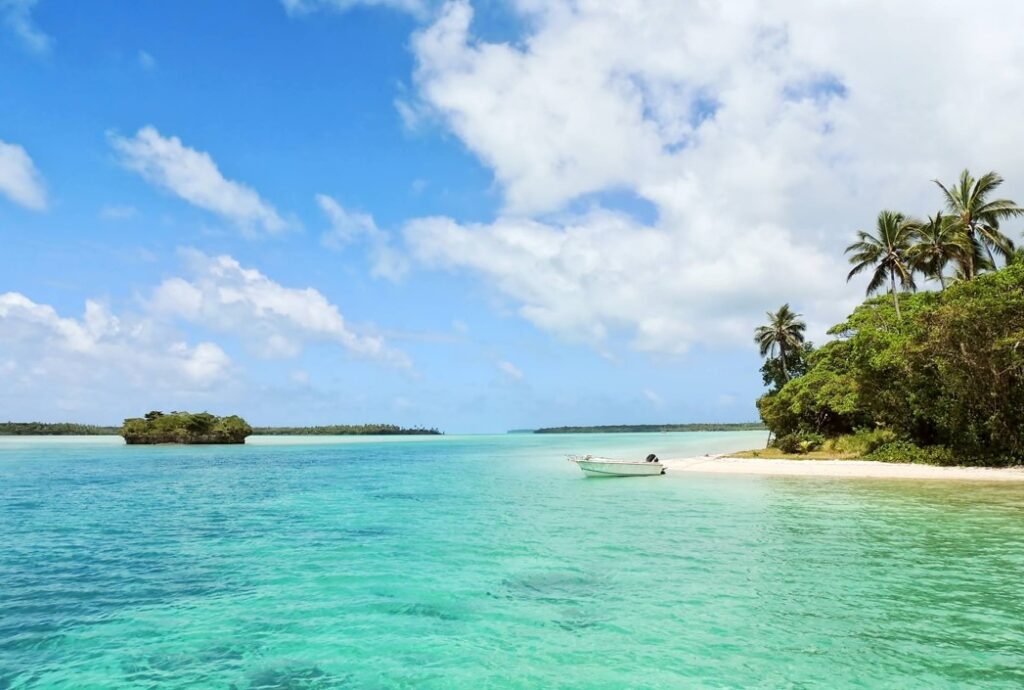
(471, 216)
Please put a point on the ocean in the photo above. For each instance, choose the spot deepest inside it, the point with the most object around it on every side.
(491, 562)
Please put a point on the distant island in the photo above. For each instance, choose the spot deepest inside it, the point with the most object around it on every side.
(184, 427)
(650, 428)
(55, 429)
(345, 430)
(172, 426)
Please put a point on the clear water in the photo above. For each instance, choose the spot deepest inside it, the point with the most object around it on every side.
(490, 562)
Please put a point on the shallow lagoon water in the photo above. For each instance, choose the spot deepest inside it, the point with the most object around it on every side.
(490, 562)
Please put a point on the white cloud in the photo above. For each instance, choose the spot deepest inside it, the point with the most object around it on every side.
(759, 135)
(146, 61)
(100, 349)
(606, 272)
(510, 370)
(17, 15)
(118, 212)
(20, 181)
(194, 176)
(297, 7)
(275, 321)
(348, 227)
(121, 362)
(653, 397)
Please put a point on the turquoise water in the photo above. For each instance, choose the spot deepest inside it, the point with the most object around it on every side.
(490, 562)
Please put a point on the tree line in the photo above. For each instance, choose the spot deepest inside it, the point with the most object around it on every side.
(346, 430)
(647, 428)
(55, 429)
(932, 376)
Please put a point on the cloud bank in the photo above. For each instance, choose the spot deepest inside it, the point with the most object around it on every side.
(67, 362)
(670, 170)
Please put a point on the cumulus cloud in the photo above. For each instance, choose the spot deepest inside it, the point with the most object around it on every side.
(348, 227)
(510, 370)
(274, 320)
(50, 360)
(100, 349)
(607, 272)
(20, 181)
(17, 16)
(760, 136)
(194, 176)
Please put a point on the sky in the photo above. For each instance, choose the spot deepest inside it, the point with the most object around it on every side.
(475, 216)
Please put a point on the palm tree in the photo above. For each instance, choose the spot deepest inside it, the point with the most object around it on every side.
(784, 332)
(886, 252)
(978, 217)
(937, 242)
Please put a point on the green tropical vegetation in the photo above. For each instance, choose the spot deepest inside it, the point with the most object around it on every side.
(782, 340)
(184, 427)
(647, 428)
(345, 430)
(887, 253)
(55, 429)
(935, 376)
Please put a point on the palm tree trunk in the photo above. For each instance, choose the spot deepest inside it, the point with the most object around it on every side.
(895, 297)
(782, 361)
(970, 256)
(942, 280)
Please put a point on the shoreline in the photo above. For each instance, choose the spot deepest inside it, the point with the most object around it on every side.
(854, 469)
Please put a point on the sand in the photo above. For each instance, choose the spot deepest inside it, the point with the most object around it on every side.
(723, 464)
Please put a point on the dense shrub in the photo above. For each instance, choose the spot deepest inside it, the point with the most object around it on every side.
(861, 442)
(790, 443)
(825, 400)
(800, 442)
(905, 451)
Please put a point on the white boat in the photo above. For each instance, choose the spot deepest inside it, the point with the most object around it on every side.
(594, 466)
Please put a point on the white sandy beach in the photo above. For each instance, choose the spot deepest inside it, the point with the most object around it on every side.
(723, 464)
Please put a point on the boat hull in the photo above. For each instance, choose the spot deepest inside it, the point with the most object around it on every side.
(617, 468)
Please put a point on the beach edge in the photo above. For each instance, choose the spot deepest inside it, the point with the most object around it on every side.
(835, 468)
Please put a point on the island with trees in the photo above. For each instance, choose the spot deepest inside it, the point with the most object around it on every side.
(184, 428)
(935, 376)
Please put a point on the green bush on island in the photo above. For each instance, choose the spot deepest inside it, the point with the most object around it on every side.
(185, 427)
(860, 443)
(934, 377)
(800, 442)
(905, 451)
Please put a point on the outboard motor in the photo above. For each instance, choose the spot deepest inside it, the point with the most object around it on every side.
(652, 458)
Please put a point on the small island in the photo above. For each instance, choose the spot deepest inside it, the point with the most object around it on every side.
(184, 428)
